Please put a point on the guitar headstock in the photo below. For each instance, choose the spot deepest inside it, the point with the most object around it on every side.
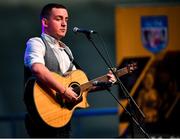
(131, 67)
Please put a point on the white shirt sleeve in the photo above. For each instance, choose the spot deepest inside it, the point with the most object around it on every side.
(74, 68)
(35, 51)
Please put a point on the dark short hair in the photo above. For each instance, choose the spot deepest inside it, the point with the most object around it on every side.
(46, 10)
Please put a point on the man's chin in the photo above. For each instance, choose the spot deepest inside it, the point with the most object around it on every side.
(61, 36)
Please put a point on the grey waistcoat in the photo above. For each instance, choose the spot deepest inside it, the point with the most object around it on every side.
(51, 61)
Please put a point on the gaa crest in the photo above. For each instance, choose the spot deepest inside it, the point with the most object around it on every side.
(154, 31)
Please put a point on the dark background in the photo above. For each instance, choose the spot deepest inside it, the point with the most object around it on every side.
(19, 20)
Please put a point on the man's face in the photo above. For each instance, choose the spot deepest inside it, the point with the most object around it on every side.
(57, 23)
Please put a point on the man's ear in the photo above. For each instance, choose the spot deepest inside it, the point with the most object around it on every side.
(44, 22)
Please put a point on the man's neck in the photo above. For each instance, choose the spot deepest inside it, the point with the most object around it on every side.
(52, 35)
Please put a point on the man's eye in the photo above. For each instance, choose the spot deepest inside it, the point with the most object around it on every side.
(58, 19)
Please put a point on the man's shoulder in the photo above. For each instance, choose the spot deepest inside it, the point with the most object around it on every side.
(33, 40)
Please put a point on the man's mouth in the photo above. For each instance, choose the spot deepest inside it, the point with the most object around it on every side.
(63, 30)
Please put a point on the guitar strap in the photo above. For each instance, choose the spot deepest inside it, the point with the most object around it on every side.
(73, 61)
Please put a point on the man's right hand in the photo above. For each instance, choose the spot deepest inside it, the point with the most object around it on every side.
(70, 95)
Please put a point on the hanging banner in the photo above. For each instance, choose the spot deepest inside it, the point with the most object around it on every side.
(154, 31)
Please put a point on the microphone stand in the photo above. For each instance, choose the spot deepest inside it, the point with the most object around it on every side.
(124, 90)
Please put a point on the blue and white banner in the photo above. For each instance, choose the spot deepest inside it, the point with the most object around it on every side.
(154, 31)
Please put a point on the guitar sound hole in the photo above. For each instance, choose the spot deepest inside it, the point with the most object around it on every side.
(76, 87)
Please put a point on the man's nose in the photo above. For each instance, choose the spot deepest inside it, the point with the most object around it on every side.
(63, 23)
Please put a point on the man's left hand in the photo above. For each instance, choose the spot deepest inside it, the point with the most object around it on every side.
(111, 77)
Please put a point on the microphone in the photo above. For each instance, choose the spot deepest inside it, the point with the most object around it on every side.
(79, 30)
(102, 84)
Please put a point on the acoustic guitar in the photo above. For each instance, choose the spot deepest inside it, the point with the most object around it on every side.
(50, 108)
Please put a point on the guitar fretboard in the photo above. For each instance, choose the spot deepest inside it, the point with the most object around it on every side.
(88, 85)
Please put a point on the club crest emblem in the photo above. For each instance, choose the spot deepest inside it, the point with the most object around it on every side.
(154, 31)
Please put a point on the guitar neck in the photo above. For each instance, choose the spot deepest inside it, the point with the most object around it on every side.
(88, 85)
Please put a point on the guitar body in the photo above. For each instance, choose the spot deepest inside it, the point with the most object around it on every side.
(45, 105)
(48, 107)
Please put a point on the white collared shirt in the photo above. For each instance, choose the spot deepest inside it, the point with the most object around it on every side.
(35, 52)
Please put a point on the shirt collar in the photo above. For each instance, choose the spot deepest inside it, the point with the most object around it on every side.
(53, 41)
